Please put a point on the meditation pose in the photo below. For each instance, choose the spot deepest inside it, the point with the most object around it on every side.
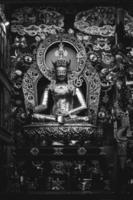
(63, 95)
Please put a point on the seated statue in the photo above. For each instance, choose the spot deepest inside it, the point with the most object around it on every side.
(63, 94)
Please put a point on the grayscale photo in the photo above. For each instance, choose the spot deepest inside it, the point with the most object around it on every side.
(66, 99)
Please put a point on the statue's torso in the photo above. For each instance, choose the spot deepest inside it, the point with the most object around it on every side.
(62, 97)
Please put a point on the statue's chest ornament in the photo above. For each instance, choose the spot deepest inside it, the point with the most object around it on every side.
(61, 89)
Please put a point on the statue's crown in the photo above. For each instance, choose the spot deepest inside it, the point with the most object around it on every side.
(61, 55)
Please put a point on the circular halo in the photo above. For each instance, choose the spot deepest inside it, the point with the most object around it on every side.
(46, 54)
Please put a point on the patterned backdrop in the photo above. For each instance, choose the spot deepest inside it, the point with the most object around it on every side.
(111, 57)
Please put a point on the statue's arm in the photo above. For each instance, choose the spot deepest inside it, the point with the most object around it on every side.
(44, 102)
(81, 101)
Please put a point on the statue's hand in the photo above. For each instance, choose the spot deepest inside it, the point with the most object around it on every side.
(63, 112)
(73, 116)
(86, 118)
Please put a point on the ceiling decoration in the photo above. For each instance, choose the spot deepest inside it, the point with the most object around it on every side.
(96, 21)
(31, 21)
(101, 21)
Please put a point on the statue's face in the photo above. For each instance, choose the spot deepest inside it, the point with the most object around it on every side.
(61, 73)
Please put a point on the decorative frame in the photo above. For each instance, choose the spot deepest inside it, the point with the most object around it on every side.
(84, 71)
(52, 40)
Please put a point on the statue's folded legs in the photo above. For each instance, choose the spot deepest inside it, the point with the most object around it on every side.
(43, 117)
(59, 118)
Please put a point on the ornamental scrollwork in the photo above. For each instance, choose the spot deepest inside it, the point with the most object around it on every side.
(76, 48)
(61, 132)
(96, 21)
(36, 22)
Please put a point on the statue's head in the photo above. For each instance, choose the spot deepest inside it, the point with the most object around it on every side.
(61, 65)
(61, 73)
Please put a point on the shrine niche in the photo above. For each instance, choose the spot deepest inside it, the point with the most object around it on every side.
(97, 65)
(82, 87)
(73, 96)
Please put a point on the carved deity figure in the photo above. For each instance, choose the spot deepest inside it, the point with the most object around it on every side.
(63, 94)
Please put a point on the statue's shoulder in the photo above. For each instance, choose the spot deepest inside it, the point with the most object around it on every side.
(71, 87)
(52, 86)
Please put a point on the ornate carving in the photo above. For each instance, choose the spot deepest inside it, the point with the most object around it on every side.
(96, 21)
(79, 55)
(128, 19)
(102, 44)
(34, 30)
(80, 71)
(30, 15)
(25, 21)
(30, 86)
(58, 151)
(94, 84)
(55, 131)
(101, 21)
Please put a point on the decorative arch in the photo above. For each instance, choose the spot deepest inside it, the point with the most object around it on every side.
(81, 69)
